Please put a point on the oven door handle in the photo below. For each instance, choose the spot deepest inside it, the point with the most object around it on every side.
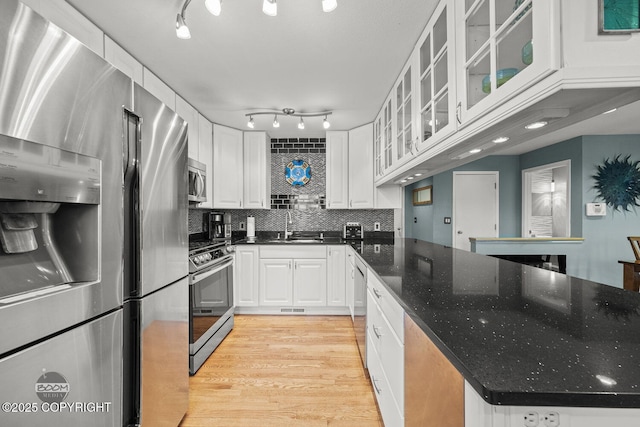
(201, 276)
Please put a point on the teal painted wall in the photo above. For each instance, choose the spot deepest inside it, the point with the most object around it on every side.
(605, 238)
(430, 224)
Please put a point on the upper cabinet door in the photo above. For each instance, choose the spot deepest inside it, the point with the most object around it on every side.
(257, 170)
(158, 88)
(227, 168)
(435, 62)
(404, 131)
(378, 148)
(496, 55)
(361, 167)
(190, 115)
(337, 170)
(205, 155)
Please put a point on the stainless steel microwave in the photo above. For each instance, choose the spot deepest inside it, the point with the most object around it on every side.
(197, 181)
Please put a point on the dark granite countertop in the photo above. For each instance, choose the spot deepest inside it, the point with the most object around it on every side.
(519, 335)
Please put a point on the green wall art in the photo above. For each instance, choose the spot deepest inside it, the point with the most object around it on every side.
(618, 182)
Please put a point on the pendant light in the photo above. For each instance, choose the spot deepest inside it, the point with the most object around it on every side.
(270, 7)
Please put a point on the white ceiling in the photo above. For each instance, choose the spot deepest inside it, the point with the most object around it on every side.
(345, 61)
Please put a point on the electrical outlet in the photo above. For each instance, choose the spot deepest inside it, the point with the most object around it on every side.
(242, 227)
(551, 419)
(531, 419)
(376, 226)
(447, 220)
(376, 248)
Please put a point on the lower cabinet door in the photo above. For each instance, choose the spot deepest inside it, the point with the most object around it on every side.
(275, 282)
(310, 282)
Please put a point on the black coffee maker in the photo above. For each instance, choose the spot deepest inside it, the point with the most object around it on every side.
(219, 225)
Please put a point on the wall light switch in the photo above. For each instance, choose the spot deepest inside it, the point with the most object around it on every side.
(376, 226)
(242, 227)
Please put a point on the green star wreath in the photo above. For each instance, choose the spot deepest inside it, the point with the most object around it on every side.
(618, 183)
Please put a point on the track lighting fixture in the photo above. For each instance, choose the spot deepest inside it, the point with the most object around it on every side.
(329, 5)
(182, 31)
(325, 123)
(289, 112)
(214, 6)
(269, 7)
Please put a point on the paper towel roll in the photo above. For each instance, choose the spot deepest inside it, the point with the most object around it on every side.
(251, 226)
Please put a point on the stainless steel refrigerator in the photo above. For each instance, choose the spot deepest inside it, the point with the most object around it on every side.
(74, 324)
(156, 304)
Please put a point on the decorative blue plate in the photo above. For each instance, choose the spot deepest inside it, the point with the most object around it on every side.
(297, 172)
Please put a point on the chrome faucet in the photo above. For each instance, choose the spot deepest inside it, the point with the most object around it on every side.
(287, 221)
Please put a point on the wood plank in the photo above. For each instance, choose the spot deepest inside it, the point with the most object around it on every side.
(284, 371)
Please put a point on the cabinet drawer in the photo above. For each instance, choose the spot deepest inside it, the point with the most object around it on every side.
(391, 413)
(389, 306)
(293, 251)
(387, 347)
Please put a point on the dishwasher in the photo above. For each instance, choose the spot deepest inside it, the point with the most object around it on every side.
(360, 309)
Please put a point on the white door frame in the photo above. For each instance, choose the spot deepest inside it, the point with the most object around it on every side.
(526, 190)
(453, 207)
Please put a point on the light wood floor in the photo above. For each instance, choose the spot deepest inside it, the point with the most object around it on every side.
(284, 371)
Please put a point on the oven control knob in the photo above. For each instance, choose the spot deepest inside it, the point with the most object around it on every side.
(206, 258)
(230, 249)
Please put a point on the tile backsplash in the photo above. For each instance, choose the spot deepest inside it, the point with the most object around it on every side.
(306, 203)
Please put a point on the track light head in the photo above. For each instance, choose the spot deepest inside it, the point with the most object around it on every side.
(270, 7)
(301, 124)
(276, 123)
(325, 123)
(251, 124)
(329, 5)
(214, 6)
(182, 31)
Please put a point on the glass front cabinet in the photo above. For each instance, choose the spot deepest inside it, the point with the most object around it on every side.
(384, 150)
(434, 59)
(503, 47)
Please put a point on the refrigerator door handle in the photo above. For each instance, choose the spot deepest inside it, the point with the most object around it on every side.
(131, 186)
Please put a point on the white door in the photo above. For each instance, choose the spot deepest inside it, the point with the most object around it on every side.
(275, 282)
(227, 171)
(475, 206)
(309, 282)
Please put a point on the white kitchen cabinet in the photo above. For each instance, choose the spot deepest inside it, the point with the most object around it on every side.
(361, 167)
(122, 60)
(276, 282)
(70, 20)
(336, 278)
(293, 276)
(378, 149)
(434, 60)
(158, 88)
(246, 279)
(337, 185)
(309, 282)
(404, 129)
(257, 171)
(387, 136)
(385, 350)
(205, 155)
(190, 115)
(227, 168)
(494, 36)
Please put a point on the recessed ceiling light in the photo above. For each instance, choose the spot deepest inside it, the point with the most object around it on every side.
(409, 177)
(475, 151)
(500, 139)
(610, 111)
(418, 174)
(403, 181)
(536, 125)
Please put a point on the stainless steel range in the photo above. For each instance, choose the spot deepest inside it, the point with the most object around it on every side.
(211, 296)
